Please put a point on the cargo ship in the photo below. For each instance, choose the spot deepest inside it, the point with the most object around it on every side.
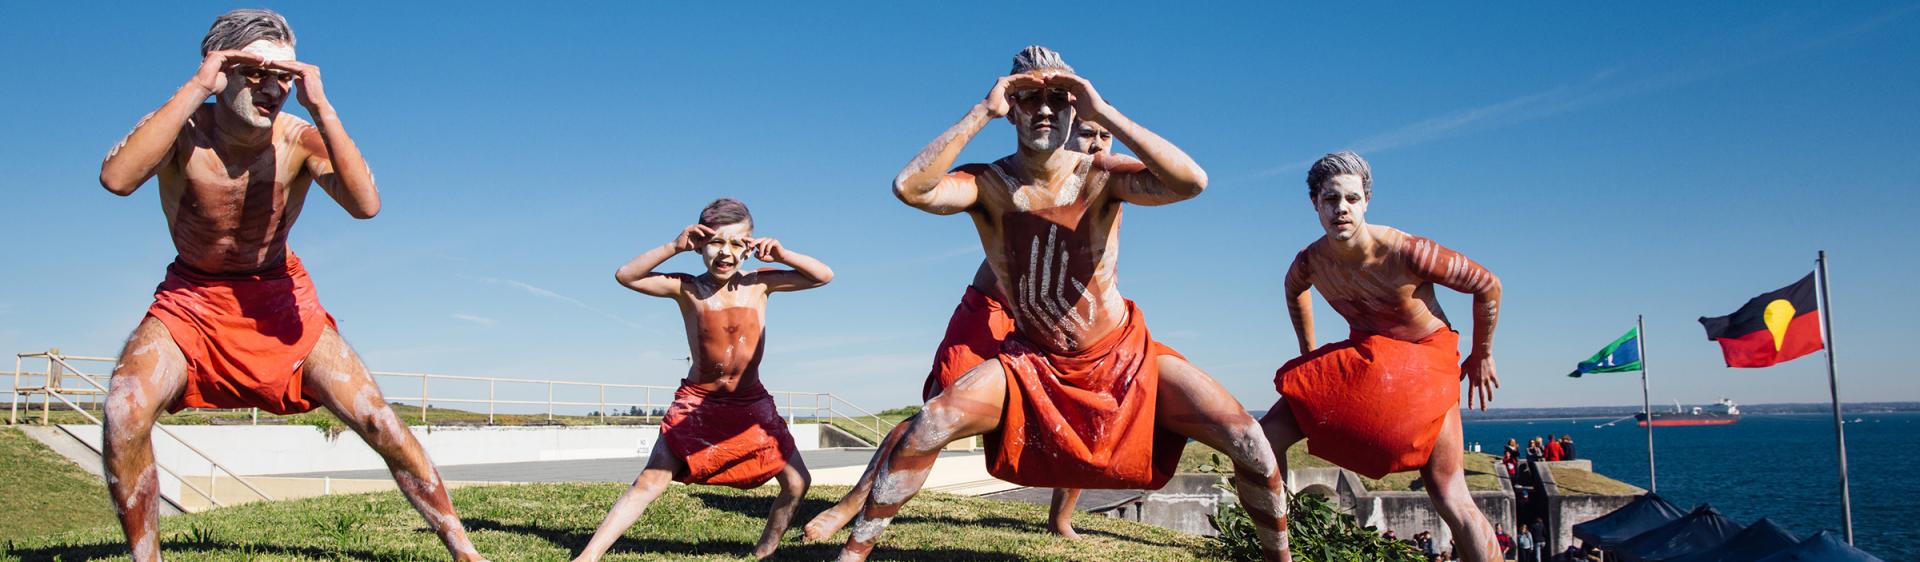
(1724, 413)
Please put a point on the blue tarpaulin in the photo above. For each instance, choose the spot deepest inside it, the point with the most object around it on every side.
(1641, 515)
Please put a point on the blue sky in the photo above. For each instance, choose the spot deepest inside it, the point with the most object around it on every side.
(1606, 161)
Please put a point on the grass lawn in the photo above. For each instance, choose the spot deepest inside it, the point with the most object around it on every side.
(552, 521)
(44, 493)
(1576, 482)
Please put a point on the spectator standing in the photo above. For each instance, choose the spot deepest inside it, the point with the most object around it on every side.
(1553, 448)
(1566, 447)
(1534, 452)
(1524, 543)
(1506, 541)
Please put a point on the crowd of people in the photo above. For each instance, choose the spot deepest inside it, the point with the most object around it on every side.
(1550, 449)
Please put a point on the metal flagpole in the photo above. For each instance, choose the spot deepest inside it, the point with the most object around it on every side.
(1646, 403)
(1833, 386)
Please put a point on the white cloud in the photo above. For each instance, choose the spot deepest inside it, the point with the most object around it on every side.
(481, 320)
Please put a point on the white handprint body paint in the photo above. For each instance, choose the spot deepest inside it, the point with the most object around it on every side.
(1058, 261)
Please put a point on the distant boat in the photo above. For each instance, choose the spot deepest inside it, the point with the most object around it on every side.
(1724, 413)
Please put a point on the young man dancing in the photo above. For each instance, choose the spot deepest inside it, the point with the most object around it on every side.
(1079, 395)
(723, 428)
(236, 323)
(975, 332)
(1385, 399)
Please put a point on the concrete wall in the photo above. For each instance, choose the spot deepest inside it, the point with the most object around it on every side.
(257, 450)
(1564, 511)
(1408, 513)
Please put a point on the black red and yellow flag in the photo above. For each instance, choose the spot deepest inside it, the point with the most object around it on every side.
(1775, 327)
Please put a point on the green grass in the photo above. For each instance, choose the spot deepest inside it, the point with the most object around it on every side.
(1479, 467)
(553, 521)
(1576, 482)
(858, 426)
(43, 493)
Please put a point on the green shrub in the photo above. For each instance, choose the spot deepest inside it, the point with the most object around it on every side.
(1317, 532)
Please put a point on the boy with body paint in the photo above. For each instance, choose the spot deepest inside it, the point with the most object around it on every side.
(1387, 398)
(975, 332)
(1078, 395)
(236, 323)
(723, 428)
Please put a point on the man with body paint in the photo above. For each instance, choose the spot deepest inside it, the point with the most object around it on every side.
(975, 332)
(723, 428)
(1387, 398)
(1079, 395)
(236, 323)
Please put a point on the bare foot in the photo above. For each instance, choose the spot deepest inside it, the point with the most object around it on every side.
(1064, 529)
(827, 523)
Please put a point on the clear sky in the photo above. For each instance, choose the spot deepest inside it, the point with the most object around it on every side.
(1604, 160)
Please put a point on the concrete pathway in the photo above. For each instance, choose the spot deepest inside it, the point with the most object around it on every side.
(957, 472)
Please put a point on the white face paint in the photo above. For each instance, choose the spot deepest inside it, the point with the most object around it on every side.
(726, 251)
(1342, 206)
(1043, 118)
(253, 94)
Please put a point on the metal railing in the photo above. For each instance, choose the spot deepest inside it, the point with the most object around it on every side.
(60, 369)
(818, 407)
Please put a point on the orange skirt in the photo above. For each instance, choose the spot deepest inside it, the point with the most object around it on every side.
(978, 327)
(734, 439)
(246, 337)
(1374, 404)
(1085, 420)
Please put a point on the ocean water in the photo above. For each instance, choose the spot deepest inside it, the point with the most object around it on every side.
(1776, 466)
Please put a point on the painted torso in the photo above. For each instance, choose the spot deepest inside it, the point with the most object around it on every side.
(1386, 294)
(1054, 249)
(725, 330)
(230, 212)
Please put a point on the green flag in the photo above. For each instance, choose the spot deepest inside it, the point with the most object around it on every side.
(1621, 356)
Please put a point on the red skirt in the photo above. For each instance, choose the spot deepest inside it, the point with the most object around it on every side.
(734, 439)
(1085, 420)
(978, 327)
(1374, 404)
(246, 337)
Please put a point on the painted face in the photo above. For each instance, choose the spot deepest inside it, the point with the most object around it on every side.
(1041, 118)
(1091, 138)
(726, 251)
(255, 94)
(1342, 206)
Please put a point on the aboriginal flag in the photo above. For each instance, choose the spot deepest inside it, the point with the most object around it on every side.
(1775, 327)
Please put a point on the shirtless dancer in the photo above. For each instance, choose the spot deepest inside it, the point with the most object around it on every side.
(1387, 398)
(236, 323)
(1079, 395)
(978, 327)
(723, 429)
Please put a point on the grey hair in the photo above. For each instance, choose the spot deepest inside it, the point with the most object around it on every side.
(238, 28)
(1036, 57)
(1338, 163)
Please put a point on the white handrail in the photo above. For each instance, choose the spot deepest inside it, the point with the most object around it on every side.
(163, 429)
(829, 404)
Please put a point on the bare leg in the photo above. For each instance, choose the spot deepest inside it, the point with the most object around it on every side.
(970, 408)
(1282, 433)
(661, 466)
(830, 521)
(1447, 485)
(1191, 403)
(794, 481)
(337, 379)
(149, 376)
(1060, 514)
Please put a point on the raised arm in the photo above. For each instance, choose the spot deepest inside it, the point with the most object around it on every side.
(1164, 174)
(925, 183)
(807, 272)
(1450, 269)
(1300, 302)
(332, 158)
(140, 155)
(638, 273)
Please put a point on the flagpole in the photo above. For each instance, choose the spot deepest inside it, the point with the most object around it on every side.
(1833, 387)
(1646, 402)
